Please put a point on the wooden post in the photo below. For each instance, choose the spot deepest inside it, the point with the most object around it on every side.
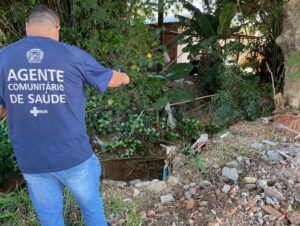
(161, 6)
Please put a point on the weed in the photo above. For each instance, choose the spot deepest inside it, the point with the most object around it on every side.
(16, 209)
(116, 208)
(199, 163)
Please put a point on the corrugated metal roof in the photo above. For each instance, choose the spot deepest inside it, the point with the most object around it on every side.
(167, 19)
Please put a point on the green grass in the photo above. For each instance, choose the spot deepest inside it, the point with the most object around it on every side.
(16, 209)
(199, 163)
(118, 208)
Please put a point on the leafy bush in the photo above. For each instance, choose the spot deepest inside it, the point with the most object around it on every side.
(240, 97)
(8, 165)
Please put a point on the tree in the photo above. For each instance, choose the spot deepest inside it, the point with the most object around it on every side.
(289, 41)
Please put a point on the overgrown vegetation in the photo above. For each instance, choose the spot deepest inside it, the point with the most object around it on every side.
(16, 209)
(130, 121)
(8, 164)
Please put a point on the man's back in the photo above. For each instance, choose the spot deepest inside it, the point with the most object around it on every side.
(41, 85)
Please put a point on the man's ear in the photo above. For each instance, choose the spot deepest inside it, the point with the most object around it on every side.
(57, 32)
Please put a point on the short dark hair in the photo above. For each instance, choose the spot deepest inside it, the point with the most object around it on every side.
(43, 11)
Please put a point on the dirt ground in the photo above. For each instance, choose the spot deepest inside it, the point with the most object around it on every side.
(211, 199)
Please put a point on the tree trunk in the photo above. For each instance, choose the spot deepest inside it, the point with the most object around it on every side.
(289, 41)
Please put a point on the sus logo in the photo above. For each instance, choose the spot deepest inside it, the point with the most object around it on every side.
(35, 56)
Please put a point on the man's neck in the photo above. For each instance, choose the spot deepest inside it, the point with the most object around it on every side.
(41, 31)
(38, 35)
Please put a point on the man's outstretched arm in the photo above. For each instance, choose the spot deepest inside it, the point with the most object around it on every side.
(3, 112)
(118, 79)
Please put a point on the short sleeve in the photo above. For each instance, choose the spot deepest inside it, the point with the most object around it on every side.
(96, 75)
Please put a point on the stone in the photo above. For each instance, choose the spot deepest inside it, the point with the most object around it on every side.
(273, 156)
(257, 197)
(272, 217)
(260, 221)
(142, 184)
(252, 201)
(187, 195)
(172, 181)
(167, 198)
(262, 183)
(244, 194)
(270, 210)
(192, 191)
(203, 203)
(233, 210)
(294, 217)
(226, 188)
(268, 142)
(251, 214)
(190, 204)
(291, 182)
(157, 186)
(193, 184)
(233, 191)
(250, 180)
(260, 213)
(136, 192)
(186, 187)
(269, 201)
(230, 173)
(134, 182)
(278, 185)
(258, 146)
(191, 222)
(250, 187)
(151, 213)
(205, 184)
(272, 192)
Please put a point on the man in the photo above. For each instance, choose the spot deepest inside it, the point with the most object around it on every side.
(42, 94)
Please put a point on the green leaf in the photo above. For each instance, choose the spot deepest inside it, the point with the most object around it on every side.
(204, 20)
(160, 103)
(178, 71)
(225, 18)
(160, 77)
(178, 94)
(6, 215)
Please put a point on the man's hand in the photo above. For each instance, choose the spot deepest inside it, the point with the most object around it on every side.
(118, 79)
(126, 79)
(3, 112)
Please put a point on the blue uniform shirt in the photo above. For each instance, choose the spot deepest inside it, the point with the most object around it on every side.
(42, 86)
